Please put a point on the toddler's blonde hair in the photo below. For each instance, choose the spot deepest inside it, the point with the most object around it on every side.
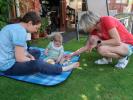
(57, 37)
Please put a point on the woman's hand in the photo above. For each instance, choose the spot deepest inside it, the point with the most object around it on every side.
(92, 42)
(90, 47)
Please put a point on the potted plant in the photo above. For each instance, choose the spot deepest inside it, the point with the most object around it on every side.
(42, 31)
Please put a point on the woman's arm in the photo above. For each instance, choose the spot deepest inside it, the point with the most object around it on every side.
(115, 38)
(91, 43)
(77, 52)
(81, 50)
(20, 54)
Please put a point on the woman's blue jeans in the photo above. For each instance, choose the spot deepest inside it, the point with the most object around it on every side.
(33, 66)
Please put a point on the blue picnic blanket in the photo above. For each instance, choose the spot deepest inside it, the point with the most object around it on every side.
(43, 79)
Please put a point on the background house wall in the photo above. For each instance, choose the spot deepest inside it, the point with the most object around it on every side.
(20, 7)
(118, 6)
(98, 6)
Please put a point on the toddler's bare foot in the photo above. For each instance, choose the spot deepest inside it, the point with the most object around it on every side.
(75, 65)
(71, 66)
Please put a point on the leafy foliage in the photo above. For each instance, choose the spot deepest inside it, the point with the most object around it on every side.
(3, 12)
(44, 24)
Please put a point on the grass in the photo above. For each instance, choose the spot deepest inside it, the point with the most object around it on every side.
(90, 82)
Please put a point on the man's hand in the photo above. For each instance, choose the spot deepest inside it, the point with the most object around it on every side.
(32, 57)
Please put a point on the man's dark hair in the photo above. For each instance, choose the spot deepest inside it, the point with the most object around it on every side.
(31, 16)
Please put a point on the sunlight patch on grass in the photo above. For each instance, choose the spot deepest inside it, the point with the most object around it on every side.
(83, 60)
(80, 68)
(101, 69)
(98, 97)
(98, 87)
(85, 65)
(84, 97)
(115, 69)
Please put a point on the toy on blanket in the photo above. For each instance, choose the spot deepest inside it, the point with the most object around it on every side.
(64, 63)
(67, 62)
(50, 61)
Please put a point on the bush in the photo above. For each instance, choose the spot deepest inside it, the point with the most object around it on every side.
(3, 12)
(44, 24)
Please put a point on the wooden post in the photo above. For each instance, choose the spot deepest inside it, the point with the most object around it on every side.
(62, 15)
(17, 8)
(13, 10)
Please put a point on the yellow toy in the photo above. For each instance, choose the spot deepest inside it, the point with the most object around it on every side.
(50, 61)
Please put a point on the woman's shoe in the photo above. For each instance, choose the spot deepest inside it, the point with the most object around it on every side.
(122, 63)
(103, 61)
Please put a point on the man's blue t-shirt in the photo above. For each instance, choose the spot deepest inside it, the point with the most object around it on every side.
(10, 36)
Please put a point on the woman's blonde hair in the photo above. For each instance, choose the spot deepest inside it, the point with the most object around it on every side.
(57, 37)
(88, 20)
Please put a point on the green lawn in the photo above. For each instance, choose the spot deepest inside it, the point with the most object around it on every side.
(90, 82)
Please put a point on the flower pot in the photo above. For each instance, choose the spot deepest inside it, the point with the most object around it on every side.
(43, 34)
(34, 36)
(15, 20)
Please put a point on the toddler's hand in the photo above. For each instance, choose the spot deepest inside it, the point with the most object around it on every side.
(57, 61)
(67, 56)
(46, 53)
